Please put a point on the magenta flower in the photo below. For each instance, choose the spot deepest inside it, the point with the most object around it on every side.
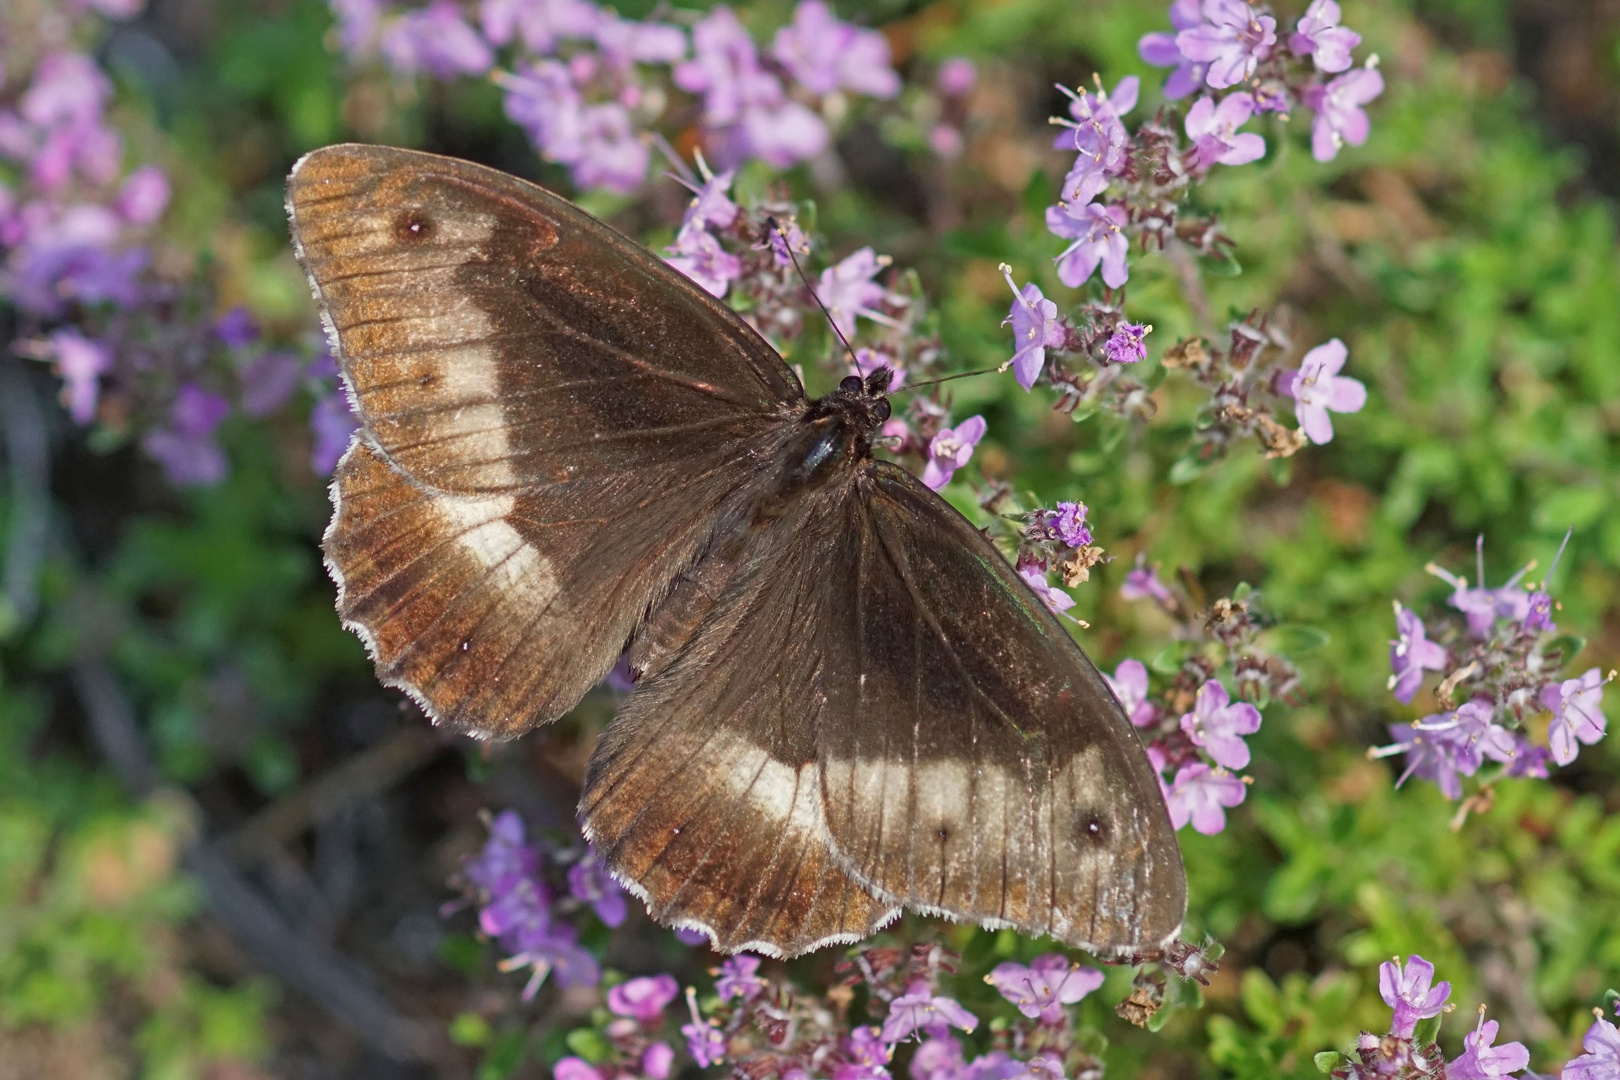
(1142, 583)
(825, 54)
(81, 363)
(1053, 597)
(697, 254)
(1213, 130)
(1161, 50)
(590, 883)
(1317, 387)
(1218, 726)
(1232, 39)
(1044, 987)
(1097, 239)
(1602, 1058)
(1340, 117)
(1036, 328)
(1407, 990)
(1577, 708)
(1199, 794)
(920, 1010)
(643, 999)
(1127, 344)
(657, 1061)
(333, 425)
(1319, 36)
(573, 1068)
(144, 196)
(950, 449)
(1070, 523)
(1482, 1061)
(437, 41)
(704, 1041)
(738, 978)
(67, 90)
(957, 77)
(711, 205)
(506, 857)
(847, 289)
(1129, 682)
(1411, 654)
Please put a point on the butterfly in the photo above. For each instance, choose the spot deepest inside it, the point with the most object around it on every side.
(846, 702)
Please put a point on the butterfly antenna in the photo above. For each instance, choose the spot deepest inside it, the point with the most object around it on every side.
(771, 223)
(944, 378)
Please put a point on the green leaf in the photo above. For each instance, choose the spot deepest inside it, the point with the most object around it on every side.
(1328, 1060)
(1169, 659)
(1427, 1031)
(1293, 640)
(1188, 469)
(588, 1044)
(470, 1029)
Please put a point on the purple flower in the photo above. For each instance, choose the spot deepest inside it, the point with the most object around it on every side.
(144, 196)
(1199, 793)
(541, 24)
(589, 882)
(81, 363)
(357, 22)
(543, 101)
(1482, 606)
(1096, 232)
(1340, 118)
(1538, 618)
(333, 425)
(1036, 328)
(1070, 523)
(1482, 1061)
(1317, 387)
(710, 203)
(1407, 990)
(1602, 1058)
(1142, 583)
(919, 1009)
(1044, 987)
(1444, 746)
(554, 950)
(625, 42)
(436, 40)
(957, 77)
(698, 255)
(517, 913)
(573, 1068)
(1096, 129)
(703, 1039)
(1213, 130)
(866, 1047)
(786, 241)
(657, 1061)
(950, 449)
(67, 90)
(1129, 682)
(268, 381)
(847, 289)
(237, 328)
(643, 999)
(1052, 596)
(1126, 345)
(938, 1059)
(185, 447)
(1411, 654)
(1232, 39)
(1041, 1067)
(1528, 759)
(1161, 50)
(824, 54)
(690, 937)
(1319, 36)
(1218, 726)
(738, 978)
(50, 276)
(610, 155)
(1577, 708)
(506, 858)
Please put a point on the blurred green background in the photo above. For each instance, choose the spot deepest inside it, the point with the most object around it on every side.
(1467, 255)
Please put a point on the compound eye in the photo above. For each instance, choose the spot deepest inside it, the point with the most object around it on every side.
(852, 384)
(881, 410)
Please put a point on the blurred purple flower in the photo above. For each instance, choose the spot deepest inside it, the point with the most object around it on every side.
(950, 449)
(786, 241)
(920, 1010)
(1408, 991)
(144, 196)
(704, 1040)
(1098, 239)
(573, 1068)
(1340, 117)
(268, 380)
(1160, 50)
(1602, 1058)
(505, 859)
(357, 23)
(780, 134)
(1045, 1066)
(625, 42)
(555, 951)
(67, 90)
(1036, 328)
(540, 24)
(868, 1051)
(657, 1061)
(517, 912)
(1218, 725)
(825, 54)
(1317, 387)
(644, 999)
(945, 140)
(847, 289)
(1411, 654)
(690, 937)
(698, 254)
(590, 883)
(1044, 987)
(436, 40)
(1438, 748)
(1482, 1061)
(1142, 583)
(711, 205)
(1577, 708)
(542, 100)
(1129, 682)
(938, 1059)
(1199, 793)
(80, 362)
(1319, 36)
(1127, 344)
(1232, 38)
(333, 425)
(739, 978)
(1070, 523)
(1053, 597)
(48, 278)
(610, 153)
(1528, 759)
(957, 77)
(1538, 616)
(237, 328)
(185, 447)
(1216, 139)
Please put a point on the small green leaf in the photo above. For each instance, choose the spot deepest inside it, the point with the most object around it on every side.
(1328, 1060)
(1188, 469)
(1170, 658)
(1427, 1031)
(1611, 999)
(470, 1029)
(588, 1044)
(1568, 646)
(1293, 640)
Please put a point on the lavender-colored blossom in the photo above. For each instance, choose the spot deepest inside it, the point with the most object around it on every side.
(1407, 989)
(1214, 132)
(1096, 130)
(1319, 36)
(825, 54)
(1199, 794)
(237, 328)
(1070, 523)
(724, 68)
(1232, 38)
(1127, 344)
(643, 999)
(555, 952)
(1411, 654)
(1143, 583)
(1096, 232)
(49, 277)
(268, 380)
(1036, 328)
(573, 1068)
(1527, 759)
(921, 1010)
(437, 41)
(333, 426)
(698, 254)
(1046, 1066)
(67, 90)
(945, 140)
(1442, 747)
(1340, 117)
(847, 289)
(739, 978)
(1218, 725)
(1129, 682)
(1161, 50)
(506, 857)
(1317, 387)
(144, 196)
(1577, 708)
(950, 449)
(1052, 596)
(787, 241)
(1482, 1061)
(1043, 988)
(625, 42)
(711, 204)
(542, 100)
(938, 1058)
(1602, 1058)
(590, 883)
(657, 1061)
(540, 24)
(1483, 606)
(185, 446)
(1538, 618)
(690, 937)
(80, 362)
(610, 154)
(517, 913)
(957, 77)
(865, 1046)
(704, 1041)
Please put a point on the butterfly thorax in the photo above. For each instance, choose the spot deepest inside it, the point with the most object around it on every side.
(837, 430)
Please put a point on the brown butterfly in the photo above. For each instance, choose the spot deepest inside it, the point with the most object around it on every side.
(846, 701)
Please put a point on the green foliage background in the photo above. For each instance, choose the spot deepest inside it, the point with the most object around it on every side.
(1461, 256)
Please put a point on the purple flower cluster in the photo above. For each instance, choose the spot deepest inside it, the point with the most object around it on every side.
(1499, 665)
(588, 86)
